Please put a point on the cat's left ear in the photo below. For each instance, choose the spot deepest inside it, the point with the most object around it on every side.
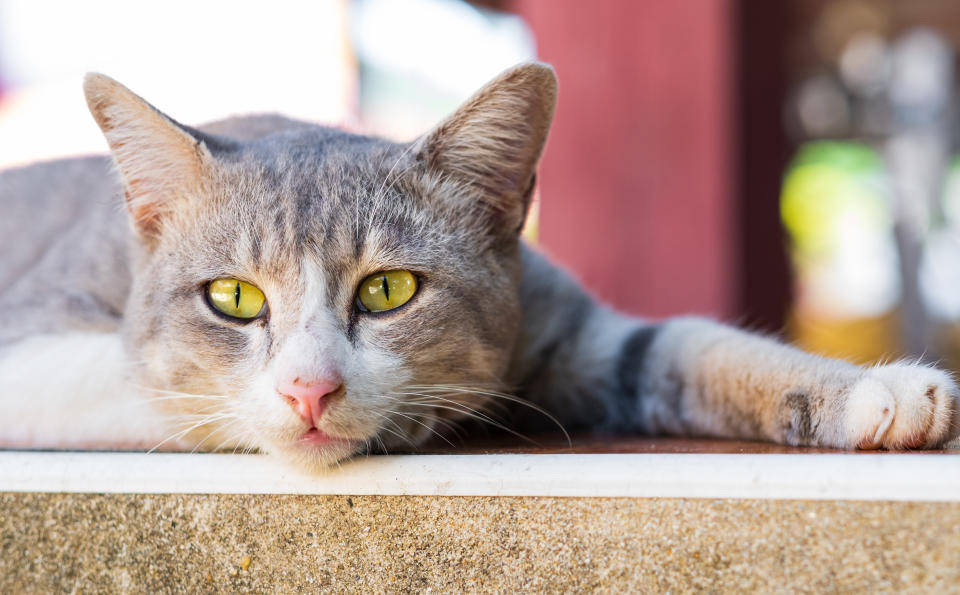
(160, 160)
(492, 143)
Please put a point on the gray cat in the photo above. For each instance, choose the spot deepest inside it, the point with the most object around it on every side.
(296, 289)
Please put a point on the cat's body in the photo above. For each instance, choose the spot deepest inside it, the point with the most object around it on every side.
(109, 337)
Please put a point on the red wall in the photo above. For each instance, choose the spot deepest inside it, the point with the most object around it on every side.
(637, 180)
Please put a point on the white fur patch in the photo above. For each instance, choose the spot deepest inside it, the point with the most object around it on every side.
(902, 406)
(871, 408)
(70, 391)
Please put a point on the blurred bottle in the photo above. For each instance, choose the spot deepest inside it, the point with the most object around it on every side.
(836, 209)
(874, 228)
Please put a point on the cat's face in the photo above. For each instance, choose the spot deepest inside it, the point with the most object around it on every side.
(303, 220)
(307, 231)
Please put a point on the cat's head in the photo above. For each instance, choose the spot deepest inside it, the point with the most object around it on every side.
(315, 293)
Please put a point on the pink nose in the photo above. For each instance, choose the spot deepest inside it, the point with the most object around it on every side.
(308, 397)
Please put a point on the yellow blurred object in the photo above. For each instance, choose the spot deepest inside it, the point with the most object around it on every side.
(531, 227)
(859, 340)
(948, 346)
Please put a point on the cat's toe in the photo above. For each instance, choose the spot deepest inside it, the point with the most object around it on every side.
(870, 411)
(903, 406)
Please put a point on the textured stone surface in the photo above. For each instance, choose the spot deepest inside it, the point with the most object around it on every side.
(211, 543)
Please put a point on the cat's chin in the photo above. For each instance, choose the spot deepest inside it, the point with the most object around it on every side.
(315, 451)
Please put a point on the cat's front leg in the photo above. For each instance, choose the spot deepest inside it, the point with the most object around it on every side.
(702, 378)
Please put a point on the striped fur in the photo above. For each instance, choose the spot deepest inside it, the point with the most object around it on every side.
(305, 213)
(693, 377)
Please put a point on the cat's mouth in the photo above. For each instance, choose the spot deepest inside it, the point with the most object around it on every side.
(317, 437)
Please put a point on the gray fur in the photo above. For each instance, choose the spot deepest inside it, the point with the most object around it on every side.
(305, 212)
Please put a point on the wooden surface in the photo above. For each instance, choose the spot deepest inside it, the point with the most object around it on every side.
(593, 444)
(637, 181)
(589, 444)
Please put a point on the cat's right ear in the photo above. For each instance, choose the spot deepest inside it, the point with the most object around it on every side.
(489, 148)
(160, 161)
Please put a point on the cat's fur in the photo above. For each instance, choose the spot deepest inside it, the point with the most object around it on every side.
(106, 339)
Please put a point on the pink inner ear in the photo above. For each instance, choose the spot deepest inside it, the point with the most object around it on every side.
(143, 212)
(157, 158)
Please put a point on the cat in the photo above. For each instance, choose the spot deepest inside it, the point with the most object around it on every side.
(266, 284)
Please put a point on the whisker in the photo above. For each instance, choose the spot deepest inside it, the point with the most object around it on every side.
(180, 434)
(431, 430)
(398, 432)
(234, 437)
(472, 413)
(448, 425)
(456, 406)
(210, 435)
(496, 395)
(184, 397)
(168, 391)
(199, 415)
(430, 400)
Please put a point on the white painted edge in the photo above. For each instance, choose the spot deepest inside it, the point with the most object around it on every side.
(902, 477)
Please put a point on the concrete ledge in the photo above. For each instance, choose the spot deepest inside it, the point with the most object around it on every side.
(294, 543)
(128, 522)
(891, 477)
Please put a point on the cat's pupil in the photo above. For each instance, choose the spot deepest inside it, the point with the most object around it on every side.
(386, 287)
(236, 295)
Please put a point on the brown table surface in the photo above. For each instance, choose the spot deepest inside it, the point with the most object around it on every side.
(587, 443)
(598, 444)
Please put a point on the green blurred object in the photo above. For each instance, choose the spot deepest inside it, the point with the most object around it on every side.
(827, 184)
(835, 205)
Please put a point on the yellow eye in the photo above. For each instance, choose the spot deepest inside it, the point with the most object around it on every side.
(235, 298)
(386, 290)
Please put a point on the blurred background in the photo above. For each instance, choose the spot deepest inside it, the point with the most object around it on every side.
(792, 166)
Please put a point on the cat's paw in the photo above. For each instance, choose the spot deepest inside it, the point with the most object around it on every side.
(902, 406)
